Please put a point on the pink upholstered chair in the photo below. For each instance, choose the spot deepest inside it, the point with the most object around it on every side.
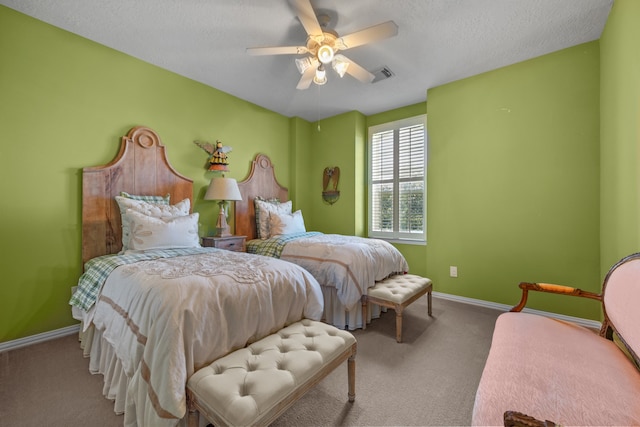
(555, 370)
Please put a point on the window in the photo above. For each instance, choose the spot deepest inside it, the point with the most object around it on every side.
(397, 180)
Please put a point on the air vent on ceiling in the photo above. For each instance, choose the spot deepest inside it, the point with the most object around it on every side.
(382, 74)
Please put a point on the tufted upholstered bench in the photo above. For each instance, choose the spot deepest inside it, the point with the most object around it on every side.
(397, 292)
(256, 384)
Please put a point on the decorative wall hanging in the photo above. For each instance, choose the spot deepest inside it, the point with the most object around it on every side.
(217, 160)
(330, 177)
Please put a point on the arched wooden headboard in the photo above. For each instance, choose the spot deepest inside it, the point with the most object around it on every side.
(260, 182)
(140, 167)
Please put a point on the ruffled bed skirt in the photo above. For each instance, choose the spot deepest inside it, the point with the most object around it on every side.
(336, 314)
(103, 360)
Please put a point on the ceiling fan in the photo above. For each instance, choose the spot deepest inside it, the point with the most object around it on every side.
(323, 45)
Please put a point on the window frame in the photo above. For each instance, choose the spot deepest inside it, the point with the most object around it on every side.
(396, 236)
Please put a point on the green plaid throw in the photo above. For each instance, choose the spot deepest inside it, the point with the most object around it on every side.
(160, 200)
(98, 269)
(273, 246)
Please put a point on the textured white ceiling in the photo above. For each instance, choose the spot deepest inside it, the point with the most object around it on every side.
(438, 41)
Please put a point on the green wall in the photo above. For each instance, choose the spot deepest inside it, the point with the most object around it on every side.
(65, 103)
(299, 164)
(513, 180)
(620, 133)
(337, 142)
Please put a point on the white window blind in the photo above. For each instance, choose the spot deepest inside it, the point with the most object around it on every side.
(397, 180)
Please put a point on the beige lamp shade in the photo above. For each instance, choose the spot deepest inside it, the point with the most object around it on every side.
(223, 189)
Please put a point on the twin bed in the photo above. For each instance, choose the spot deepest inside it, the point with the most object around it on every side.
(156, 313)
(345, 266)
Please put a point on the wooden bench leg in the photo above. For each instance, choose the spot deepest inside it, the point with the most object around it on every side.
(365, 302)
(429, 302)
(399, 309)
(351, 373)
(193, 418)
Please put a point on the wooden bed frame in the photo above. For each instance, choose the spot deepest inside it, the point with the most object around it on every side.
(260, 182)
(140, 167)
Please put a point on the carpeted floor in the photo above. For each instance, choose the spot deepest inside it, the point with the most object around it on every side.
(429, 379)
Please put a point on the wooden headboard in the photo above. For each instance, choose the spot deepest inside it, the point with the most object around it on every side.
(260, 182)
(141, 167)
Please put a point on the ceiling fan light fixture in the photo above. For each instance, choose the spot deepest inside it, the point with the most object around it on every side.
(323, 44)
(325, 54)
(321, 76)
(303, 64)
(340, 65)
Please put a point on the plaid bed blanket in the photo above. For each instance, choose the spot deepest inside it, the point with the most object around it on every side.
(98, 269)
(273, 246)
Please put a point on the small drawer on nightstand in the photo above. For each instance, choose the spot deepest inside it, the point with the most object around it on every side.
(231, 243)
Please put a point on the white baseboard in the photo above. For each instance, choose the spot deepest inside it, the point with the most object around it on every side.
(38, 338)
(587, 323)
(46, 336)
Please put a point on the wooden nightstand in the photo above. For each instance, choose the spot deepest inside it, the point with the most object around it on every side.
(231, 243)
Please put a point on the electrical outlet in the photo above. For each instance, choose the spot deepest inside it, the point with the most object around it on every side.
(453, 271)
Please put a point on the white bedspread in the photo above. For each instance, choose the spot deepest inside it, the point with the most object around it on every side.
(167, 318)
(351, 264)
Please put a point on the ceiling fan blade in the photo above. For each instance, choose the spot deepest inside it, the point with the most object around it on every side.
(306, 79)
(368, 35)
(277, 50)
(358, 72)
(307, 17)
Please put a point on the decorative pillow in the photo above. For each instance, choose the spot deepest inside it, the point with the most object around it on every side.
(160, 200)
(286, 223)
(148, 232)
(263, 209)
(274, 201)
(181, 208)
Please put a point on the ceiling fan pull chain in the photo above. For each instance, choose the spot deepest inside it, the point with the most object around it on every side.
(318, 107)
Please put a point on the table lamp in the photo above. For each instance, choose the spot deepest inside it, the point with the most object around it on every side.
(223, 190)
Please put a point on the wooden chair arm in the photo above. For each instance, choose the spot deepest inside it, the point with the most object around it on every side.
(518, 419)
(554, 289)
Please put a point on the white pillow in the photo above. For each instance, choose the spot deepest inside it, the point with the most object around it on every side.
(181, 208)
(286, 223)
(263, 210)
(148, 232)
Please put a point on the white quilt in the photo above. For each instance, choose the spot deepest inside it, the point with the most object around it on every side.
(167, 318)
(351, 264)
